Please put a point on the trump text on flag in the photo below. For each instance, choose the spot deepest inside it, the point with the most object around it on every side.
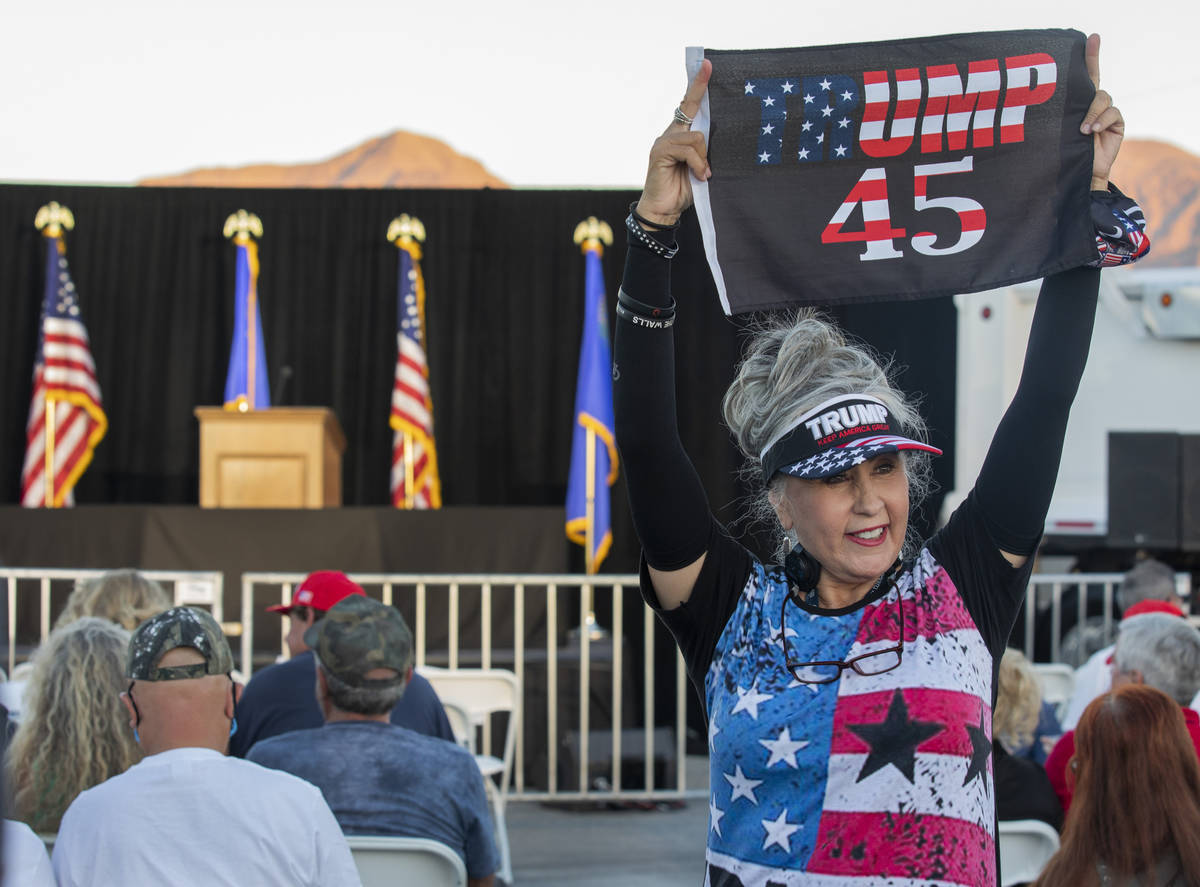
(945, 163)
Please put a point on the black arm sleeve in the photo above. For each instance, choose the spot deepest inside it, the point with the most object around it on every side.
(1017, 479)
(670, 508)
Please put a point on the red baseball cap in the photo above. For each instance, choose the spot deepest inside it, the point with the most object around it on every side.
(320, 590)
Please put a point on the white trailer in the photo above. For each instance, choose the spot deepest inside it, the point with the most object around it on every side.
(1142, 375)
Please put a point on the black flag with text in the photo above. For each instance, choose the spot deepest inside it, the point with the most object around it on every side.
(895, 170)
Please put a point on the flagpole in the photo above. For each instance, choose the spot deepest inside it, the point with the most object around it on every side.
(589, 533)
(409, 479)
(239, 227)
(51, 219)
(50, 409)
(416, 425)
(591, 235)
(251, 312)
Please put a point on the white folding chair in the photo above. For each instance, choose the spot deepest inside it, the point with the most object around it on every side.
(1026, 845)
(386, 861)
(482, 692)
(460, 725)
(1058, 683)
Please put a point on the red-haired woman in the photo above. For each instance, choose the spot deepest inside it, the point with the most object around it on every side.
(1135, 817)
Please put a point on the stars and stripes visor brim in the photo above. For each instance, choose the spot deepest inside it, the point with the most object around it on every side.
(837, 459)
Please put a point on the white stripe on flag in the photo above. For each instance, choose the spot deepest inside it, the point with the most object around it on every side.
(887, 790)
(940, 664)
(75, 352)
(411, 377)
(65, 377)
(410, 408)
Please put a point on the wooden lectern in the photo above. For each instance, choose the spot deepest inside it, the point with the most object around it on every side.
(284, 457)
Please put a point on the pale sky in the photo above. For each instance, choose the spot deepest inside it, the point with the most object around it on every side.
(544, 93)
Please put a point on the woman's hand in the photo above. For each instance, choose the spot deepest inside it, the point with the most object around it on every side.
(1103, 121)
(668, 190)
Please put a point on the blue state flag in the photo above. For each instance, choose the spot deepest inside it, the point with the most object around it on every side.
(246, 383)
(594, 462)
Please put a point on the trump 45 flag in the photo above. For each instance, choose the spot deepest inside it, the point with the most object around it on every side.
(906, 169)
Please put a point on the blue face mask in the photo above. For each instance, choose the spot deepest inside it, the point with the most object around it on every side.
(137, 719)
(232, 726)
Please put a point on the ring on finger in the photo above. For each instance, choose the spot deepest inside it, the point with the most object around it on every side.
(680, 117)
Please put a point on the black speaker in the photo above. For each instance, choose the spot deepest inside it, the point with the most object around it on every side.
(1189, 492)
(1143, 489)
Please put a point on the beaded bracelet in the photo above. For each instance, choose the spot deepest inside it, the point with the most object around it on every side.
(636, 307)
(664, 323)
(638, 237)
(646, 223)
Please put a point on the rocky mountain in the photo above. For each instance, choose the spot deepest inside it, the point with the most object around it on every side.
(396, 160)
(1166, 182)
(1165, 179)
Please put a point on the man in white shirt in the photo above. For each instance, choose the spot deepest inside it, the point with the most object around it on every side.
(187, 814)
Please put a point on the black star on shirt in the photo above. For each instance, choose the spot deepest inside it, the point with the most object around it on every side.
(895, 740)
(981, 747)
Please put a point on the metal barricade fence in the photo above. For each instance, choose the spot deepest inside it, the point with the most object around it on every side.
(193, 587)
(1090, 598)
(526, 610)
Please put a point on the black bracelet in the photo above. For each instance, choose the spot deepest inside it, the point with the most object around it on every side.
(646, 223)
(639, 238)
(641, 308)
(662, 323)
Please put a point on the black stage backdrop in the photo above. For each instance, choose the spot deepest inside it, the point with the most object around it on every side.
(504, 313)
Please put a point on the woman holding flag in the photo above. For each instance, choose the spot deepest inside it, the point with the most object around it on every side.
(848, 689)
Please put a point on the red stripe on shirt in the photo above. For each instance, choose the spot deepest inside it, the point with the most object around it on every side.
(934, 609)
(903, 845)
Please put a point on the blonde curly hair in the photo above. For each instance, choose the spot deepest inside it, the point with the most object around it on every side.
(1018, 702)
(125, 597)
(74, 731)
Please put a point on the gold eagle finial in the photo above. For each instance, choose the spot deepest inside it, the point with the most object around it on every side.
(592, 233)
(52, 218)
(405, 228)
(241, 225)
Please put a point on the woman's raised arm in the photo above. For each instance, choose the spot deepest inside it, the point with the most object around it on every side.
(669, 506)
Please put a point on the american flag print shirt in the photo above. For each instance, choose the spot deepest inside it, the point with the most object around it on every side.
(880, 780)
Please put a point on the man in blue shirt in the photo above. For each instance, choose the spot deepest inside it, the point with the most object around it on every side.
(380, 779)
(280, 698)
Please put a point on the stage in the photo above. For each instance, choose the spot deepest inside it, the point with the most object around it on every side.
(234, 541)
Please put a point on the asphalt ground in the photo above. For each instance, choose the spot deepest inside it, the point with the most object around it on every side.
(600, 847)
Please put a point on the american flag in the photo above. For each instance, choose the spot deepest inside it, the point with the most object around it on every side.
(415, 482)
(64, 379)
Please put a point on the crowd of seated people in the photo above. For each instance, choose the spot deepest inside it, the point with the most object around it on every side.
(125, 744)
(380, 778)
(122, 749)
(1149, 587)
(1159, 650)
(280, 698)
(68, 729)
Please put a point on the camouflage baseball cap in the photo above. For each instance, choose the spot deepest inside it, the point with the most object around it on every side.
(178, 627)
(359, 634)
